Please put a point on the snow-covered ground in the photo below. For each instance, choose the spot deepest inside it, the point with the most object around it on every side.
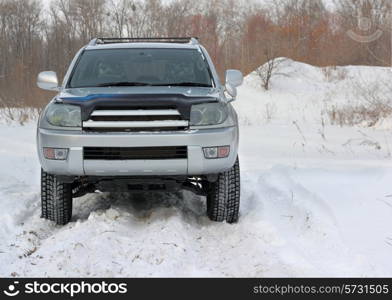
(316, 199)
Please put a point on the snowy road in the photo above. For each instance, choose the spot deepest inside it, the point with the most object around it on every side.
(300, 217)
(316, 200)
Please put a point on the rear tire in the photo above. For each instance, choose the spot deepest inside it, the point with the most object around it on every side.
(223, 199)
(56, 199)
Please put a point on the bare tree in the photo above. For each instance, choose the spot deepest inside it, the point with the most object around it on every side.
(268, 70)
(119, 13)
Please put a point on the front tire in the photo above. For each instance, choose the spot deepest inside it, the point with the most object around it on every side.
(56, 199)
(223, 199)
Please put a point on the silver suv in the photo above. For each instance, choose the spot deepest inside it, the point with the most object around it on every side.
(140, 114)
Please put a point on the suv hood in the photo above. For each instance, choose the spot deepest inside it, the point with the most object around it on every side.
(155, 90)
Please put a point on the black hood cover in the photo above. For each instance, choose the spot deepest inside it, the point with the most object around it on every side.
(136, 101)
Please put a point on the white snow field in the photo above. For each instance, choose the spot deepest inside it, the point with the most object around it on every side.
(316, 199)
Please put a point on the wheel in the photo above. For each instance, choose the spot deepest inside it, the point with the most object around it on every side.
(56, 199)
(223, 199)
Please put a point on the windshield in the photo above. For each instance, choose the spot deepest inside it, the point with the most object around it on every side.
(138, 67)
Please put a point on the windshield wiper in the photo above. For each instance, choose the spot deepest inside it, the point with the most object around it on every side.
(123, 83)
(184, 84)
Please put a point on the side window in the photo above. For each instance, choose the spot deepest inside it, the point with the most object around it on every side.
(82, 69)
(201, 70)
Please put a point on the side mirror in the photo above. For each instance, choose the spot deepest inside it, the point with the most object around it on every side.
(48, 81)
(234, 79)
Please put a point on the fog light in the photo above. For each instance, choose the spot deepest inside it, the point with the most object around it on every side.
(55, 153)
(216, 152)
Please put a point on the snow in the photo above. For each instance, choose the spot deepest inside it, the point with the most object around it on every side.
(316, 199)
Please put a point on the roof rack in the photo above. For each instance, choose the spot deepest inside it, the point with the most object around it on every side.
(182, 40)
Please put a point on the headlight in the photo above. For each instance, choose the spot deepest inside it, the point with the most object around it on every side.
(64, 115)
(208, 114)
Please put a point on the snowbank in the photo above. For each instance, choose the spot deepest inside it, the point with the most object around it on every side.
(304, 93)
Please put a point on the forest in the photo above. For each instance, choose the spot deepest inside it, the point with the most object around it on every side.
(37, 35)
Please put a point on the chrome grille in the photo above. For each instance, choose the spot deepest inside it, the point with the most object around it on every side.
(135, 119)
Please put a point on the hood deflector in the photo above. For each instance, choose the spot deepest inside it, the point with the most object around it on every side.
(136, 101)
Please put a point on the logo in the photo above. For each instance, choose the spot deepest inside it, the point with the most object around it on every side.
(67, 288)
(12, 291)
(365, 25)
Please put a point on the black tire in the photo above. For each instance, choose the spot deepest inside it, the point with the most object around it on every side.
(223, 199)
(56, 199)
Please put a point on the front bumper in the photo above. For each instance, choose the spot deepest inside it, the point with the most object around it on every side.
(195, 140)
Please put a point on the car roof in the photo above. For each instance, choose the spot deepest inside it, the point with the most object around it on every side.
(142, 45)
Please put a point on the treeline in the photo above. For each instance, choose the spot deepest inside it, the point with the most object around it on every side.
(237, 34)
